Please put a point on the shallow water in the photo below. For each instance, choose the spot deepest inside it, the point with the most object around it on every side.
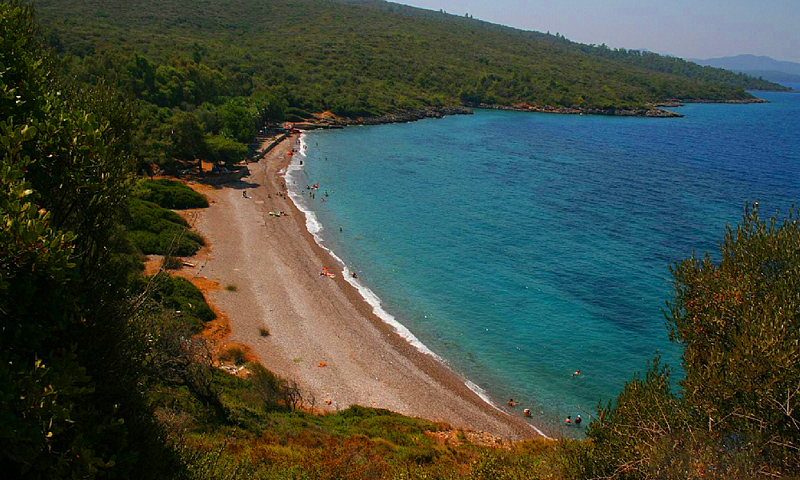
(521, 247)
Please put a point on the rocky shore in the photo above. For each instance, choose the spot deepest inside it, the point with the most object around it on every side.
(619, 112)
(656, 110)
(332, 121)
(680, 103)
(736, 102)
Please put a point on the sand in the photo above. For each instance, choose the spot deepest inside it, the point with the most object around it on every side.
(323, 334)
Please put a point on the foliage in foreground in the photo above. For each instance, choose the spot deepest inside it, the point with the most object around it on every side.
(739, 322)
(69, 406)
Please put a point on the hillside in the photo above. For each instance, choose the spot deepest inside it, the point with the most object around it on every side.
(757, 66)
(751, 62)
(639, 58)
(361, 60)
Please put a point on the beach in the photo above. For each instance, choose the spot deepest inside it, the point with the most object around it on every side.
(322, 333)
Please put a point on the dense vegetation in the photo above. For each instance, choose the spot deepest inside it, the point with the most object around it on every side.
(157, 230)
(207, 75)
(638, 58)
(169, 194)
(103, 373)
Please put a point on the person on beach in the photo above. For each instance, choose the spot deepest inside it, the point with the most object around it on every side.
(244, 193)
(568, 421)
(578, 420)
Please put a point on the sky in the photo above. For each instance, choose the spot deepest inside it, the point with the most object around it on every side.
(685, 28)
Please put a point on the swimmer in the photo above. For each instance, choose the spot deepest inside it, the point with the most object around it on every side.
(568, 421)
(355, 275)
(576, 373)
(578, 420)
(511, 402)
(527, 412)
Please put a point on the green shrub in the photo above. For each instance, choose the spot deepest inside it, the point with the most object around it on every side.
(225, 150)
(169, 194)
(646, 418)
(156, 230)
(178, 294)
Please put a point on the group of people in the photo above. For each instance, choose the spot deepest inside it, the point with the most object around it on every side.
(527, 412)
(313, 189)
(569, 421)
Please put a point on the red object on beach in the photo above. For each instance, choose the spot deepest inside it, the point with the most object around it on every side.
(324, 269)
(289, 153)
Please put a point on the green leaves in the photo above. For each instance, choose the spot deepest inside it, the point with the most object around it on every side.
(738, 320)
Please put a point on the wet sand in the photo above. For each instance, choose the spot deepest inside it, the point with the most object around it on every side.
(322, 333)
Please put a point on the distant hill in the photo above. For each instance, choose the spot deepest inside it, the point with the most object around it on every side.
(756, 66)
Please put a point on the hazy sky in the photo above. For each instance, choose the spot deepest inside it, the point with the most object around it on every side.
(686, 28)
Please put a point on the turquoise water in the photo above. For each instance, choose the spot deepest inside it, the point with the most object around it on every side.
(521, 247)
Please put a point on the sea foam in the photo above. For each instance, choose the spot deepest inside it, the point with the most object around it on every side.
(295, 177)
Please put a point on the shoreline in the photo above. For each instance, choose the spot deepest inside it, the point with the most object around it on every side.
(326, 120)
(323, 332)
(368, 296)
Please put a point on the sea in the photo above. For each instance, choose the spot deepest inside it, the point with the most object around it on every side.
(520, 248)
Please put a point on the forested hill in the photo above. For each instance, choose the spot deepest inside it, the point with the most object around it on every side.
(356, 59)
(648, 60)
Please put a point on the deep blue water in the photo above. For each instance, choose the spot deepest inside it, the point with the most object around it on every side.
(520, 247)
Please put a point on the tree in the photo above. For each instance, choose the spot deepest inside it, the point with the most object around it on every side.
(739, 323)
(272, 109)
(68, 367)
(225, 150)
(738, 320)
(239, 120)
(188, 141)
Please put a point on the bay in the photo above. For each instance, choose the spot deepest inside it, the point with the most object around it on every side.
(521, 247)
